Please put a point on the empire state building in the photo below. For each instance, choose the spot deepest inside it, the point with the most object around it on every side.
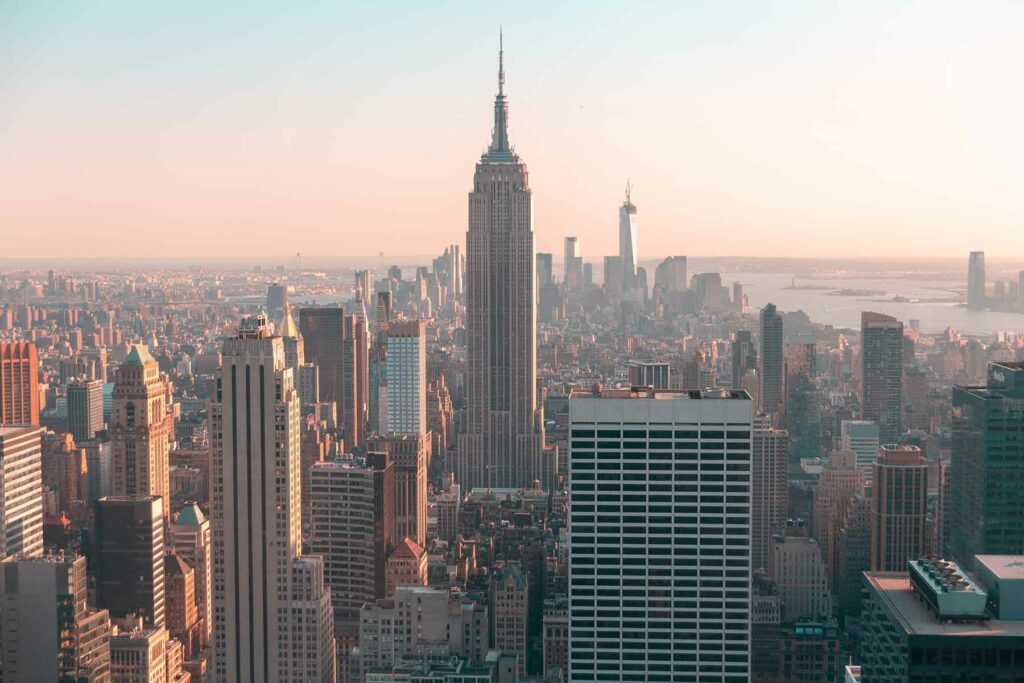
(503, 443)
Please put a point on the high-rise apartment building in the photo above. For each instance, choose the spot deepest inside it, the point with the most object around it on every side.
(899, 508)
(503, 442)
(85, 409)
(769, 489)
(838, 486)
(409, 455)
(264, 591)
(659, 572)
(881, 357)
(21, 492)
(353, 528)
(142, 428)
(545, 270)
(47, 631)
(986, 505)
(976, 296)
(407, 378)
(19, 384)
(743, 356)
(128, 554)
(861, 437)
(772, 366)
(627, 240)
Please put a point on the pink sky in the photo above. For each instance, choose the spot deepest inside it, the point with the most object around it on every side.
(841, 132)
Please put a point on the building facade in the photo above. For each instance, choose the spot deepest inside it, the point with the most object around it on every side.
(660, 536)
(503, 442)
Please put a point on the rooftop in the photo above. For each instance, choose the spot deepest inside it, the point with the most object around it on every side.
(895, 593)
(1003, 566)
(139, 355)
(661, 394)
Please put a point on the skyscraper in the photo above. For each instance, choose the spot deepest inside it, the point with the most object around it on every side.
(573, 264)
(627, 240)
(21, 492)
(85, 408)
(976, 297)
(899, 507)
(743, 356)
(323, 336)
(409, 454)
(659, 573)
(881, 338)
(129, 558)
(502, 445)
(352, 515)
(838, 486)
(769, 492)
(261, 584)
(862, 438)
(48, 632)
(802, 405)
(294, 345)
(407, 378)
(771, 358)
(141, 430)
(19, 384)
(277, 299)
(986, 506)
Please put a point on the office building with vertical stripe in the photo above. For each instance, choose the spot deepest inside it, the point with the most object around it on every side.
(260, 590)
(21, 492)
(19, 384)
(659, 535)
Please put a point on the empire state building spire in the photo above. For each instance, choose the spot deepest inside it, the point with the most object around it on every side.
(500, 150)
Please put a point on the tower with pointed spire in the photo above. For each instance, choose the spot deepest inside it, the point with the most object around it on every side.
(503, 443)
(627, 240)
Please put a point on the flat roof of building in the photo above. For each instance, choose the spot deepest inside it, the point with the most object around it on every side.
(662, 394)
(893, 588)
(1003, 566)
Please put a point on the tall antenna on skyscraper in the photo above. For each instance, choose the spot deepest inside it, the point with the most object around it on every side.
(629, 189)
(298, 261)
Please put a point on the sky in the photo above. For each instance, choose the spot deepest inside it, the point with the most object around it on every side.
(261, 129)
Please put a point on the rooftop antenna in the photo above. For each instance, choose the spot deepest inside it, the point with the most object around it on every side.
(629, 189)
(501, 60)
(298, 261)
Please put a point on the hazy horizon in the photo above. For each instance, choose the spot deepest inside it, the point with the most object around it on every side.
(204, 133)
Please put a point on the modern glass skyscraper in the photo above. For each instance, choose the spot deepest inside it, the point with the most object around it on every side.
(881, 339)
(502, 445)
(659, 570)
(986, 507)
(772, 362)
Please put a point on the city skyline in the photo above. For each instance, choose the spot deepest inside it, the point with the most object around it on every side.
(304, 137)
